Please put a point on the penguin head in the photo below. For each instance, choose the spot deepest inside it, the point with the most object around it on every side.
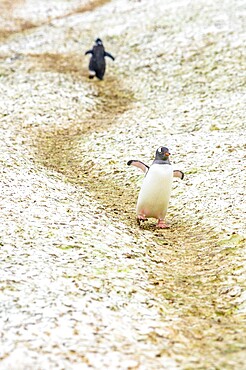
(162, 153)
(98, 41)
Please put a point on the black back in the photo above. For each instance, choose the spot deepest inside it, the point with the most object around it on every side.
(97, 61)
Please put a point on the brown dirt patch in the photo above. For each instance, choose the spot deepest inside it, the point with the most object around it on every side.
(12, 25)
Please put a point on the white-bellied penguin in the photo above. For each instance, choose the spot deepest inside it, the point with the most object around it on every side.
(155, 191)
(97, 64)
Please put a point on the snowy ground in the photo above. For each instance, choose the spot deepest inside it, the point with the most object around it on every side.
(82, 286)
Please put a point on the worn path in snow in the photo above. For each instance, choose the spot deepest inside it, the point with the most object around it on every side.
(82, 286)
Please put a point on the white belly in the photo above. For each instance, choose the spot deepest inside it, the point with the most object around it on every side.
(155, 192)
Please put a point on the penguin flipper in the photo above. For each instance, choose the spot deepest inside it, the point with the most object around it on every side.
(106, 54)
(177, 173)
(89, 52)
(138, 164)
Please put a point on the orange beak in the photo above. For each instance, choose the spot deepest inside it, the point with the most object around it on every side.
(167, 154)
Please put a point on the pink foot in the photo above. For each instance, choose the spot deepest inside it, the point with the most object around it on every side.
(140, 218)
(162, 225)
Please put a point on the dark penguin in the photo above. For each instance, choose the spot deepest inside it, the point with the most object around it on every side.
(155, 192)
(97, 63)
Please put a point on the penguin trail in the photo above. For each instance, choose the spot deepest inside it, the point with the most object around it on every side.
(82, 284)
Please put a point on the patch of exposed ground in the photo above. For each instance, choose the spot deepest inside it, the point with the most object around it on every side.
(82, 285)
(19, 15)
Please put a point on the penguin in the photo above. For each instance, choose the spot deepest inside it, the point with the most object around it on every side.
(155, 191)
(97, 64)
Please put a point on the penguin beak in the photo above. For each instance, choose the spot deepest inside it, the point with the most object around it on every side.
(166, 154)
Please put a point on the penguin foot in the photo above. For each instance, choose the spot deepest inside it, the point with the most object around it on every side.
(92, 74)
(141, 218)
(162, 225)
